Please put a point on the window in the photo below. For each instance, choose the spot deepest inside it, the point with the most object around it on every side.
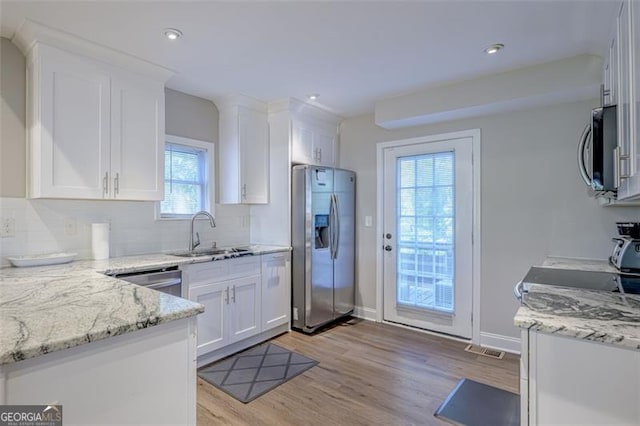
(426, 220)
(188, 183)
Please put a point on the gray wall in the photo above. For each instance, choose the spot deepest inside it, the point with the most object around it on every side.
(190, 117)
(533, 201)
(12, 120)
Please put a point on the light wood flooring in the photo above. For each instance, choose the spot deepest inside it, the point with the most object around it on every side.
(369, 374)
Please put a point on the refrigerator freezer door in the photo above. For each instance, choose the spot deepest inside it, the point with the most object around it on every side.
(344, 263)
(319, 304)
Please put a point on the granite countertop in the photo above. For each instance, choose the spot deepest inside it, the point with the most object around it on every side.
(49, 308)
(605, 317)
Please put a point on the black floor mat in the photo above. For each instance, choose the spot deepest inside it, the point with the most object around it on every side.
(251, 373)
(472, 403)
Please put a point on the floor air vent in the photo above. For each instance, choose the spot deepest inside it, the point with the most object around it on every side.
(491, 353)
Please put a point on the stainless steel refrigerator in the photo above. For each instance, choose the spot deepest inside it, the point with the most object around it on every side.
(323, 240)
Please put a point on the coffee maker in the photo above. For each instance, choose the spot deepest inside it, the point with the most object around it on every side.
(626, 252)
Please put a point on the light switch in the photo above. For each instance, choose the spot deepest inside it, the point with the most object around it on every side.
(368, 221)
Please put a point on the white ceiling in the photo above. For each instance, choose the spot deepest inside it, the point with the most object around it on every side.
(351, 52)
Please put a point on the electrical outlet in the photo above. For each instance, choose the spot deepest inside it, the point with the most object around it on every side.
(70, 227)
(8, 228)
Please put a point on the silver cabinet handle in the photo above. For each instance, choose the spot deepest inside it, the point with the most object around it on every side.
(233, 295)
(244, 191)
(116, 184)
(319, 154)
(616, 167)
(105, 183)
(226, 297)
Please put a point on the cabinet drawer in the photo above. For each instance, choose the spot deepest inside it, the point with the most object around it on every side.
(244, 266)
(220, 270)
(204, 273)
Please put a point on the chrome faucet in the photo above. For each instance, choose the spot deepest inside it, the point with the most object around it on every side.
(212, 221)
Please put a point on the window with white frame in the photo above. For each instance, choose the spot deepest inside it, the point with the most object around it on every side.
(188, 182)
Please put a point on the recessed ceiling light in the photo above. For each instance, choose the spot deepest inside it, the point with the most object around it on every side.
(313, 96)
(172, 33)
(494, 48)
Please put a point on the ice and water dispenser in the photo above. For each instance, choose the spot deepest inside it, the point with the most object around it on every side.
(321, 227)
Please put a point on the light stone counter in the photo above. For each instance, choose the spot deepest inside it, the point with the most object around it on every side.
(50, 308)
(579, 264)
(599, 316)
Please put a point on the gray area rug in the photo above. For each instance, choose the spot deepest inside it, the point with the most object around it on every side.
(256, 371)
(472, 403)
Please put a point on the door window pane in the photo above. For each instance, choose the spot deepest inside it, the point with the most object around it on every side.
(426, 218)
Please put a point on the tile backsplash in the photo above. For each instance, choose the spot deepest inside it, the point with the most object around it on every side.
(48, 226)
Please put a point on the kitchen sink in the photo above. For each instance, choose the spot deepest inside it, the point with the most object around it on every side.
(237, 251)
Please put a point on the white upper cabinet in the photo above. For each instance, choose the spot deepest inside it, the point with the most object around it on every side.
(313, 143)
(137, 138)
(95, 129)
(244, 152)
(628, 99)
(69, 108)
(635, 87)
(610, 73)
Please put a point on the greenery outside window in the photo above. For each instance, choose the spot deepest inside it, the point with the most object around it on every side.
(188, 178)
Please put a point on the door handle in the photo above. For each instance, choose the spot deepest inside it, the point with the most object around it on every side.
(388, 248)
(233, 294)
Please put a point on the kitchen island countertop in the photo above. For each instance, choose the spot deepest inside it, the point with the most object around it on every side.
(50, 308)
(605, 317)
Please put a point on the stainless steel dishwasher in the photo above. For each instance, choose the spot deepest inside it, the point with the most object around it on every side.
(167, 280)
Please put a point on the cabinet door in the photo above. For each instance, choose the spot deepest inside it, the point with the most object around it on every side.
(626, 166)
(137, 139)
(302, 143)
(324, 146)
(254, 156)
(212, 323)
(313, 143)
(244, 311)
(635, 86)
(69, 155)
(276, 290)
(579, 382)
(613, 72)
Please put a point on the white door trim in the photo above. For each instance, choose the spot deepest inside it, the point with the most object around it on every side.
(380, 147)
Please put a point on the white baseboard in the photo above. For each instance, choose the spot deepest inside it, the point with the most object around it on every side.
(364, 313)
(500, 342)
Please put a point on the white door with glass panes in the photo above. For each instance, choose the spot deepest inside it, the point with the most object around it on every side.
(428, 224)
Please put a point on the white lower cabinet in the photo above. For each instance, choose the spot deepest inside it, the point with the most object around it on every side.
(213, 321)
(244, 308)
(276, 289)
(566, 380)
(243, 298)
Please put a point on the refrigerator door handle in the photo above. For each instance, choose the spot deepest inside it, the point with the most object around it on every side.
(336, 210)
(332, 226)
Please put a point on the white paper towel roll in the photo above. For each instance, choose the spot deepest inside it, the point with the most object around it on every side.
(100, 240)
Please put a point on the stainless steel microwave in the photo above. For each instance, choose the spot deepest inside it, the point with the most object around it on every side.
(597, 150)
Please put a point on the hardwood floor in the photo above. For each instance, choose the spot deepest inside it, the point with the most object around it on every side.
(369, 374)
